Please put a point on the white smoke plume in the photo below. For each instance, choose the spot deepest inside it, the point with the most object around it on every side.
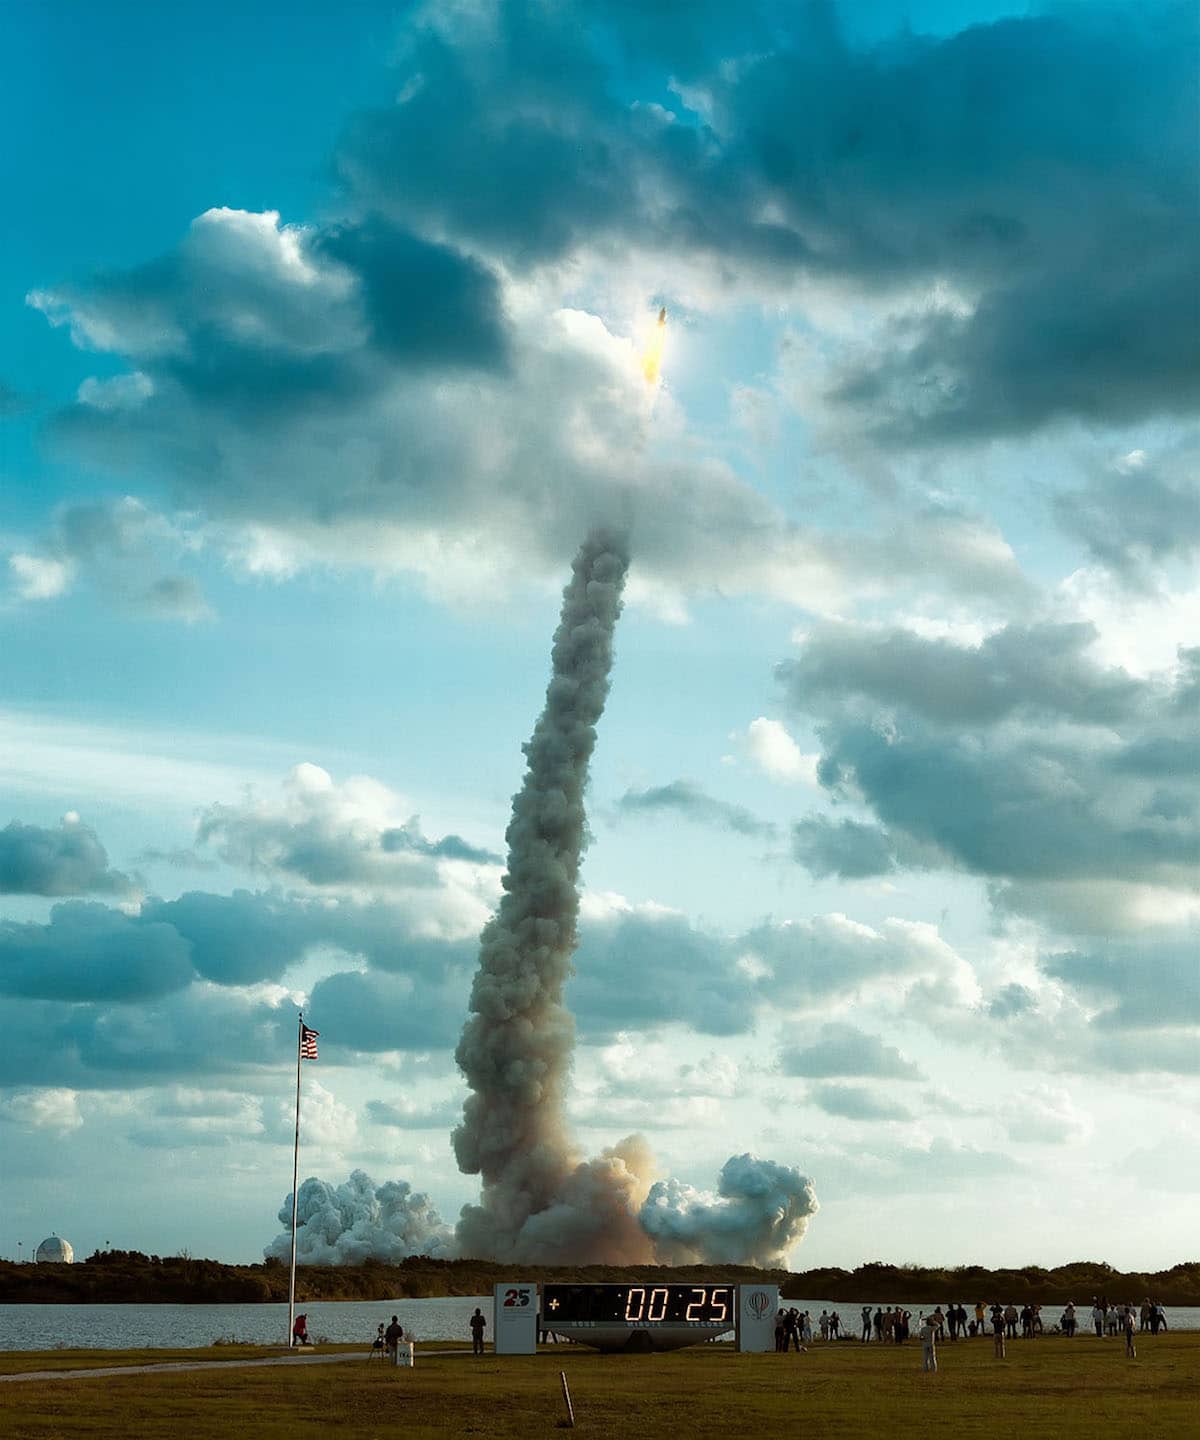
(759, 1212)
(542, 1201)
(358, 1221)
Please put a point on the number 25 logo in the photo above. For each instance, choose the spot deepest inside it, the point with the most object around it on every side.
(517, 1298)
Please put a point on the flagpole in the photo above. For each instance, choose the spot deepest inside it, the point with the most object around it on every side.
(295, 1173)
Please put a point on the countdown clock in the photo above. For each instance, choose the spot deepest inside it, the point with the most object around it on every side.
(639, 1316)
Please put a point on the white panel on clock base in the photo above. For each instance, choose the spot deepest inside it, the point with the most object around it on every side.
(757, 1307)
(516, 1307)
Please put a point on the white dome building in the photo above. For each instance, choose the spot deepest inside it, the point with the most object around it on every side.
(55, 1251)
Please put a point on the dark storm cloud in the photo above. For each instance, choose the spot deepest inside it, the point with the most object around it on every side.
(372, 1011)
(1026, 807)
(1040, 166)
(690, 802)
(201, 1031)
(1046, 163)
(1113, 343)
(67, 861)
(240, 938)
(1021, 760)
(87, 951)
(1041, 669)
(237, 320)
(843, 848)
(853, 1102)
(1153, 984)
(1136, 516)
(105, 1046)
(845, 1050)
(425, 304)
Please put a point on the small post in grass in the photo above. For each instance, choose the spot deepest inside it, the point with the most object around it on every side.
(562, 1375)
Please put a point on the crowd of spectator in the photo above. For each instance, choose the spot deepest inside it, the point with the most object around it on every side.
(796, 1328)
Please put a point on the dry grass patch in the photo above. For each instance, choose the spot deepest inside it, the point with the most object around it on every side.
(836, 1392)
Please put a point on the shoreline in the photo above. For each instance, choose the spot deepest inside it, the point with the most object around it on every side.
(123, 1277)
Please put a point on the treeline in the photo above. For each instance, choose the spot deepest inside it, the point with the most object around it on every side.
(129, 1277)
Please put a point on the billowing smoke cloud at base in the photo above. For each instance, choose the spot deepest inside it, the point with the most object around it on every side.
(359, 1220)
(759, 1212)
(542, 1200)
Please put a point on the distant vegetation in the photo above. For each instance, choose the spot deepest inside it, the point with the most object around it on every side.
(129, 1277)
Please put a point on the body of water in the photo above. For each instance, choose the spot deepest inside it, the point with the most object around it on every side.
(126, 1327)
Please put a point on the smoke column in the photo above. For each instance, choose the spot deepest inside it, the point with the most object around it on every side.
(541, 1200)
(516, 1046)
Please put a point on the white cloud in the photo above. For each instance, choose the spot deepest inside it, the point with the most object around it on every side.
(326, 1124)
(1140, 631)
(120, 392)
(39, 577)
(1045, 1116)
(359, 837)
(776, 754)
(50, 1109)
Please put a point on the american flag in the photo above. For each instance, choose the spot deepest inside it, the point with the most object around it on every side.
(308, 1042)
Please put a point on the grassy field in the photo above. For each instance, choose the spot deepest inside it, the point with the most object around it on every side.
(1074, 1388)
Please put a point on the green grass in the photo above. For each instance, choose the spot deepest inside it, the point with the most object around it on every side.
(1069, 1389)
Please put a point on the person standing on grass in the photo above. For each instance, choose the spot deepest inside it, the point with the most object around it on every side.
(998, 1332)
(877, 1323)
(393, 1335)
(1098, 1318)
(929, 1338)
(780, 1331)
(1127, 1326)
(980, 1317)
(477, 1323)
(866, 1328)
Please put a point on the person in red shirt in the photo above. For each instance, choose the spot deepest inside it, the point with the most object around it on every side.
(300, 1331)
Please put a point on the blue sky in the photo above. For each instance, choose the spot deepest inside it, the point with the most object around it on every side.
(319, 357)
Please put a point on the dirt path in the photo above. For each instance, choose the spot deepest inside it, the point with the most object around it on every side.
(167, 1366)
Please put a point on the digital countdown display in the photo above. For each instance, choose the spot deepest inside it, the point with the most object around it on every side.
(639, 1305)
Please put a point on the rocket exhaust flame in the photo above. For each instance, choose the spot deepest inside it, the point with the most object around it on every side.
(653, 355)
